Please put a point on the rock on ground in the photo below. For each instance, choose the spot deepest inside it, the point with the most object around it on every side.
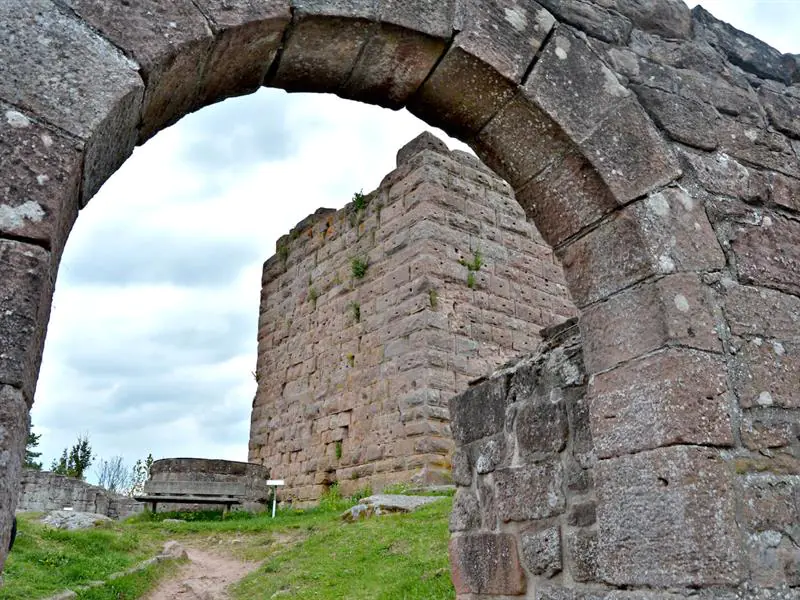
(69, 519)
(380, 504)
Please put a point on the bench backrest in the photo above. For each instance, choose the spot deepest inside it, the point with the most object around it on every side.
(195, 488)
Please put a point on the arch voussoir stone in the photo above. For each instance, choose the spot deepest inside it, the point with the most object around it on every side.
(489, 57)
(73, 80)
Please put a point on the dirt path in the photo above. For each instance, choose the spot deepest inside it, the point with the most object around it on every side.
(204, 578)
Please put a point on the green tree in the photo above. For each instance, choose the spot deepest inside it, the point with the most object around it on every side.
(30, 451)
(140, 474)
(76, 460)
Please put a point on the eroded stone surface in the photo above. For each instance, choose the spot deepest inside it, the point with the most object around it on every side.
(667, 517)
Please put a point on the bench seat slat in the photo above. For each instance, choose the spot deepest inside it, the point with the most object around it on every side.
(186, 499)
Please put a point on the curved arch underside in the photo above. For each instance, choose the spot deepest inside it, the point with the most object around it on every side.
(656, 149)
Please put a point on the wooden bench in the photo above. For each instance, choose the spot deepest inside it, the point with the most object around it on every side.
(193, 492)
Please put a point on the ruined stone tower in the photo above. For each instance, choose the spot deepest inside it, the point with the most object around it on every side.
(373, 316)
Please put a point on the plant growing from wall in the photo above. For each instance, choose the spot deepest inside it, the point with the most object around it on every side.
(433, 298)
(359, 266)
(283, 253)
(338, 450)
(359, 201)
(351, 360)
(473, 267)
(355, 309)
(313, 294)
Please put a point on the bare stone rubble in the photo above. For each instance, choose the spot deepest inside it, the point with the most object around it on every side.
(382, 504)
(354, 373)
(72, 520)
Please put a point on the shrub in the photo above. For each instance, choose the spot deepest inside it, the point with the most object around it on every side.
(359, 267)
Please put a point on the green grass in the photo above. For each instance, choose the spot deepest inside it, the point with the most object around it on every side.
(45, 561)
(304, 554)
(393, 557)
(133, 586)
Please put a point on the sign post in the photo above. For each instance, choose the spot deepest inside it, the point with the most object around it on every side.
(275, 483)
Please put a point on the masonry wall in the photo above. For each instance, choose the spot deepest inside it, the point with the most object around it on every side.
(354, 374)
(539, 514)
(43, 491)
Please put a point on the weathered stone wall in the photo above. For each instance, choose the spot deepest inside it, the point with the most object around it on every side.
(537, 514)
(355, 374)
(43, 491)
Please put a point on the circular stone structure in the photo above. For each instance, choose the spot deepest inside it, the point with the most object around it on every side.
(200, 476)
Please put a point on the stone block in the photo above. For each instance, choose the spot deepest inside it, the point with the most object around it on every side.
(718, 173)
(13, 431)
(392, 66)
(461, 95)
(629, 152)
(762, 312)
(247, 37)
(765, 428)
(530, 492)
(465, 515)
(674, 397)
(40, 171)
(782, 112)
(667, 18)
(684, 119)
(742, 49)
(759, 146)
(567, 196)
(666, 518)
(541, 551)
(540, 428)
(582, 514)
(768, 253)
(572, 85)
(675, 310)
(774, 561)
(100, 102)
(170, 43)
(25, 298)
(506, 35)
(785, 191)
(321, 51)
(582, 554)
(770, 503)
(434, 19)
(479, 411)
(486, 564)
(766, 374)
(605, 260)
(594, 19)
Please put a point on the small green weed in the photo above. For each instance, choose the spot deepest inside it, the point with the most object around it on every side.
(338, 450)
(433, 298)
(473, 267)
(359, 267)
(355, 309)
(283, 253)
(351, 360)
(475, 264)
(313, 295)
(359, 201)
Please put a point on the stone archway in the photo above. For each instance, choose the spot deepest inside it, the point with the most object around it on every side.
(656, 150)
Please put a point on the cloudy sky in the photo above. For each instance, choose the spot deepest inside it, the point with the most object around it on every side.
(151, 342)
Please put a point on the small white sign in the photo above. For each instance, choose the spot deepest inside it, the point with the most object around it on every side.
(276, 482)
